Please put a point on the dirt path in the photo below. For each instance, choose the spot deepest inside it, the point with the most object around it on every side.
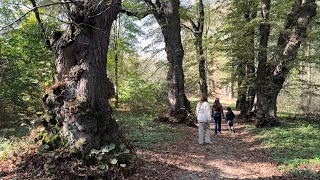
(230, 156)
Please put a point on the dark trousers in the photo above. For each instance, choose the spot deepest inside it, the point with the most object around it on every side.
(217, 122)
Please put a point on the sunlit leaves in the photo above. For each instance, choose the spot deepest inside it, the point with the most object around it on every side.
(27, 67)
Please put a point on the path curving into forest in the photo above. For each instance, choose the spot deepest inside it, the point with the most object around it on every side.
(230, 156)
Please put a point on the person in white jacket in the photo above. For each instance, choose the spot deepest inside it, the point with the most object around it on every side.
(203, 116)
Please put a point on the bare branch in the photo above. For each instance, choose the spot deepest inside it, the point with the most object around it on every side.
(194, 26)
(188, 28)
(150, 3)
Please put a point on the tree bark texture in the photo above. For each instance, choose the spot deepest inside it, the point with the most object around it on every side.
(168, 17)
(242, 89)
(272, 76)
(198, 34)
(250, 73)
(79, 99)
(231, 91)
(116, 61)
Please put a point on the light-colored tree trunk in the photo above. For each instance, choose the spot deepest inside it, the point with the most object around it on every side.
(116, 61)
(231, 92)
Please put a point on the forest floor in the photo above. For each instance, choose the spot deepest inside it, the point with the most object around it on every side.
(164, 153)
(230, 156)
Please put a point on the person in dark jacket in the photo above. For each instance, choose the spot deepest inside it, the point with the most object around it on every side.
(229, 118)
(217, 114)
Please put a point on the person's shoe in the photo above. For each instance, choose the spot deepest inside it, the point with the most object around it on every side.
(234, 131)
(209, 143)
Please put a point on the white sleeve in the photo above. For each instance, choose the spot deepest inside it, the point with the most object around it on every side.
(197, 109)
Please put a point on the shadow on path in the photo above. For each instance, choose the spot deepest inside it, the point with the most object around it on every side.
(230, 156)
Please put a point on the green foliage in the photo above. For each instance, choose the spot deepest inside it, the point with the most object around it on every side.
(144, 132)
(295, 144)
(9, 138)
(26, 69)
(5, 147)
(140, 94)
(111, 156)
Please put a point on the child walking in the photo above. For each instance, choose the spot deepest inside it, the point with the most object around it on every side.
(230, 117)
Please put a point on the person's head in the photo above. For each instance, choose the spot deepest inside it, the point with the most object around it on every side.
(203, 98)
(229, 108)
(217, 101)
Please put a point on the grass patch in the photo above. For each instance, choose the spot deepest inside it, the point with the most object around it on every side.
(9, 138)
(295, 145)
(144, 132)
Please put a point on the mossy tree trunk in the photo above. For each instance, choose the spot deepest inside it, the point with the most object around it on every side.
(78, 101)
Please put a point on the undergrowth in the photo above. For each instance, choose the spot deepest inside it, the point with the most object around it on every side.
(9, 138)
(143, 132)
(294, 145)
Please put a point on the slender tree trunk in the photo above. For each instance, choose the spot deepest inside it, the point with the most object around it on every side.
(212, 86)
(301, 71)
(250, 64)
(231, 92)
(242, 89)
(78, 101)
(246, 68)
(309, 88)
(308, 64)
(116, 60)
(168, 17)
(295, 30)
(198, 33)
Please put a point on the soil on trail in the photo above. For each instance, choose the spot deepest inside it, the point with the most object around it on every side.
(230, 156)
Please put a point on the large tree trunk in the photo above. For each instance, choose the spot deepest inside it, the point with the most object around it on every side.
(79, 99)
(168, 17)
(267, 104)
(295, 30)
(262, 85)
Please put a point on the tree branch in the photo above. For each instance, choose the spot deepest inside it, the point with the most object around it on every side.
(43, 30)
(158, 3)
(45, 5)
(194, 26)
(150, 3)
(188, 28)
(136, 14)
